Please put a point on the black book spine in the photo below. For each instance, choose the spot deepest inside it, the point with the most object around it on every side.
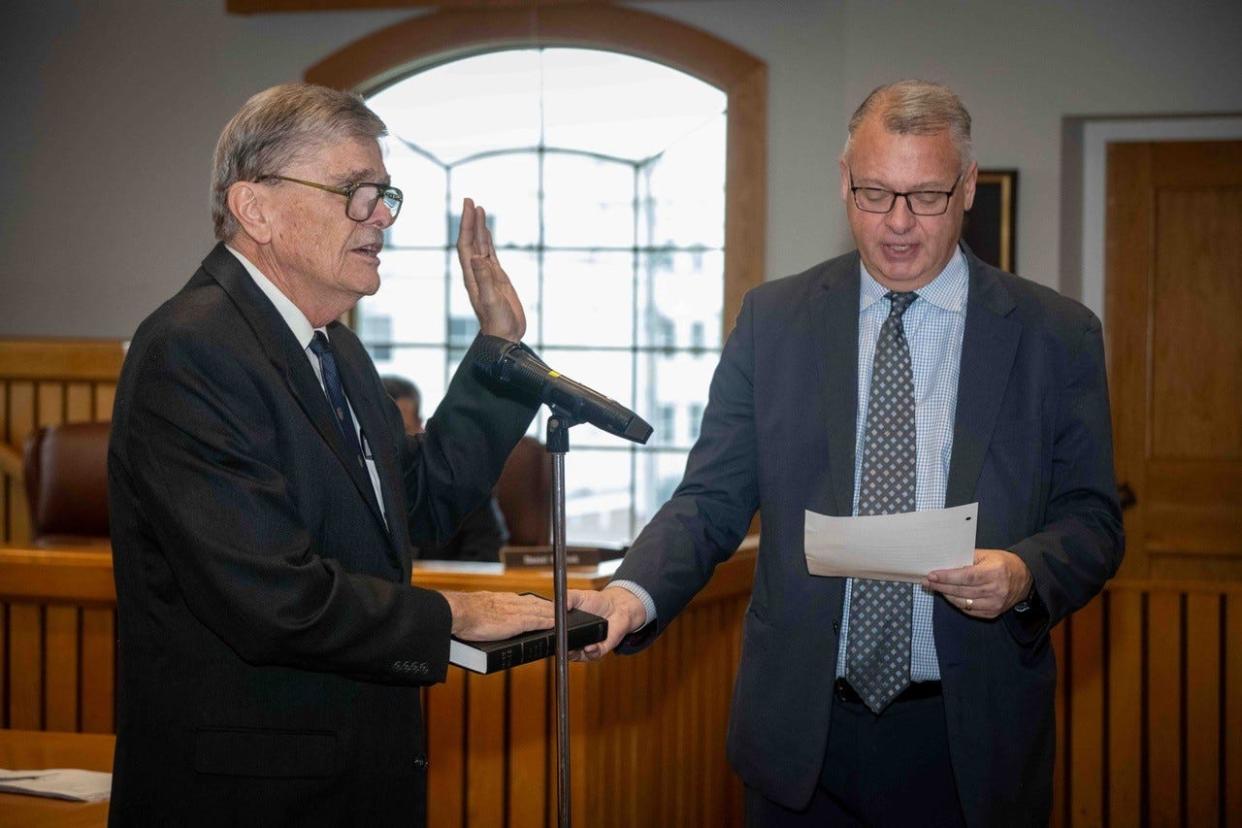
(542, 646)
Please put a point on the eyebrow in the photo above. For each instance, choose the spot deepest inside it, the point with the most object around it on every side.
(923, 186)
(366, 174)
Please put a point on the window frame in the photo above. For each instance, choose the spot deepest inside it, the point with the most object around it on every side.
(385, 56)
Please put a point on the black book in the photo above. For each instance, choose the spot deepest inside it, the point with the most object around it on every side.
(494, 656)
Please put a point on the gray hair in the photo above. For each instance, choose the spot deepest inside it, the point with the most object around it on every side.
(273, 128)
(916, 107)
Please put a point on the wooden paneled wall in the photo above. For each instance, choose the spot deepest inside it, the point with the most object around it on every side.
(1150, 707)
(647, 731)
(43, 382)
(1149, 704)
(57, 640)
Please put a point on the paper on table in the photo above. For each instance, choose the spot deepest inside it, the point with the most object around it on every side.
(58, 783)
(891, 547)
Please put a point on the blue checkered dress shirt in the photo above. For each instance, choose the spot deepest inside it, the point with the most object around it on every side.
(934, 325)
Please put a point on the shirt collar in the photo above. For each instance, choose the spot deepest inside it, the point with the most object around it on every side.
(947, 291)
(303, 330)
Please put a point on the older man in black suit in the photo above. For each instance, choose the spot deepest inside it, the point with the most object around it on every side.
(264, 499)
(906, 375)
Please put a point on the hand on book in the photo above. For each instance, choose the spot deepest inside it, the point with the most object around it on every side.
(622, 609)
(491, 616)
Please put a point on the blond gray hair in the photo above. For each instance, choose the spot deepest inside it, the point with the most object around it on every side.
(916, 107)
(273, 129)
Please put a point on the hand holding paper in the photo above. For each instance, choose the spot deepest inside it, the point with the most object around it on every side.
(902, 547)
(995, 582)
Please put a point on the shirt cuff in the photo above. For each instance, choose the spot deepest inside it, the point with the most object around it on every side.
(642, 595)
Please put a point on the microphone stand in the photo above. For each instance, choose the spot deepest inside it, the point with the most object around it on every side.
(558, 446)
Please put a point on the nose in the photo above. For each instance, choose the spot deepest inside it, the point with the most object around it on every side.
(900, 219)
(381, 216)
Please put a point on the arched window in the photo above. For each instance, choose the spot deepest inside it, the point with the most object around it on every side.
(604, 176)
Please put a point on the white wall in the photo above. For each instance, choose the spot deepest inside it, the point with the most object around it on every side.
(113, 106)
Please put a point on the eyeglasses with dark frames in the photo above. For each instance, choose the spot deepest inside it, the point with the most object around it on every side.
(361, 198)
(919, 202)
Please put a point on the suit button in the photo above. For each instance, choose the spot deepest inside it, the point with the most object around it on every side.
(420, 762)
(836, 626)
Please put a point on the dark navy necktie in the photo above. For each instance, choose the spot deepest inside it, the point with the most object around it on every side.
(336, 393)
(878, 650)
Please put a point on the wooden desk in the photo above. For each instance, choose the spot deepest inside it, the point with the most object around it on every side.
(39, 749)
(647, 731)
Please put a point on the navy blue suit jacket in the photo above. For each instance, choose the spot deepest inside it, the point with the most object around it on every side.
(1032, 444)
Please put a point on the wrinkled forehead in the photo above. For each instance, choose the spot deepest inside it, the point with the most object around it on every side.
(346, 159)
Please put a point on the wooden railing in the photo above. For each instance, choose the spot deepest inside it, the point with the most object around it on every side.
(1149, 703)
(1150, 707)
(43, 382)
(647, 731)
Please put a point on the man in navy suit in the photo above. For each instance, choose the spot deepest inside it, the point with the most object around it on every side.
(265, 498)
(906, 375)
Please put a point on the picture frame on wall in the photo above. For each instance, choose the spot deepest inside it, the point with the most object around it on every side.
(991, 224)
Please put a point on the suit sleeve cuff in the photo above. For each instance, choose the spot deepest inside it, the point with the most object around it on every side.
(649, 607)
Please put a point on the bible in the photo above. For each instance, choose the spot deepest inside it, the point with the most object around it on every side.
(494, 656)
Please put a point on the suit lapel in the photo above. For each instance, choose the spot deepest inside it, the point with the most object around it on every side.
(290, 360)
(369, 410)
(836, 329)
(989, 344)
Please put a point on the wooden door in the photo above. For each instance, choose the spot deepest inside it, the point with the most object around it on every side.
(1174, 294)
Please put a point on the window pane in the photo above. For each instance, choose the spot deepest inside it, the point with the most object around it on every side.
(422, 366)
(657, 474)
(597, 497)
(588, 298)
(680, 299)
(507, 186)
(620, 105)
(681, 191)
(523, 269)
(411, 293)
(422, 221)
(607, 372)
(588, 202)
(439, 108)
(679, 381)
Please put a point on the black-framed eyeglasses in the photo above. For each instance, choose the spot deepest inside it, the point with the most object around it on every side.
(360, 198)
(920, 202)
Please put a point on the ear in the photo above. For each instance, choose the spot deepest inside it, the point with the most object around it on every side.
(247, 204)
(968, 185)
(845, 181)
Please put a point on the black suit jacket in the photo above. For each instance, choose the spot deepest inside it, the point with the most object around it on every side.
(271, 646)
(1032, 444)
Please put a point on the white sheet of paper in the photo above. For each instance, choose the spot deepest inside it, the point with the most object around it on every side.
(891, 547)
(58, 783)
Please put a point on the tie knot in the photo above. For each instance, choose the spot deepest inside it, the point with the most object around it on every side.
(319, 344)
(900, 302)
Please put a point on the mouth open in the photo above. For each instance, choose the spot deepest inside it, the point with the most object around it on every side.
(370, 251)
(898, 252)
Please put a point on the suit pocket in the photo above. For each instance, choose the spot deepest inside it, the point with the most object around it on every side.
(283, 754)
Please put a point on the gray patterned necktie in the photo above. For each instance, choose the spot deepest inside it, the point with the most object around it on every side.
(878, 651)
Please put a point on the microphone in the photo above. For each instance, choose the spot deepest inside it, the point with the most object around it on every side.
(509, 363)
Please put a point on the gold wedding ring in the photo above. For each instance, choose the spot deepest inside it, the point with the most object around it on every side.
(970, 603)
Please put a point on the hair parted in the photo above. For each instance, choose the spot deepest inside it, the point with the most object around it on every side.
(270, 131)
(917, 107)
